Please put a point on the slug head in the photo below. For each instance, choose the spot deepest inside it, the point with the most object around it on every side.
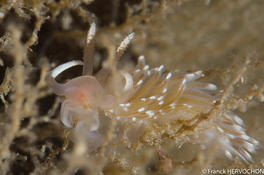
(87, 92)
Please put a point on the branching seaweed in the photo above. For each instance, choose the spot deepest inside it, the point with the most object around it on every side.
(222, 38)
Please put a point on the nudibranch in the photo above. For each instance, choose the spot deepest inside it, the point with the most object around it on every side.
(144, 95)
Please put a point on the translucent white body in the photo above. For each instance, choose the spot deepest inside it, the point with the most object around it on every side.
(145, 94)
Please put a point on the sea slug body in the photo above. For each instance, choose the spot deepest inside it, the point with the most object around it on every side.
(145, 95)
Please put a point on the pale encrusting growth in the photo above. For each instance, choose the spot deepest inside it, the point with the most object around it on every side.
(157, 101)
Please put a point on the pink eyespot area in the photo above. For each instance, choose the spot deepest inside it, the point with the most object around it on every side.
(87, 92)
